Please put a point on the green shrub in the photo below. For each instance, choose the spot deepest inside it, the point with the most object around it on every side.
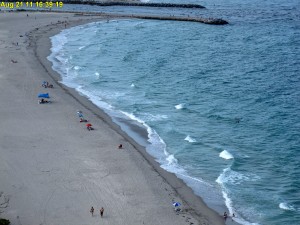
(4, 222)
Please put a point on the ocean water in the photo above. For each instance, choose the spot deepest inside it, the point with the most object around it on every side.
(221, 104)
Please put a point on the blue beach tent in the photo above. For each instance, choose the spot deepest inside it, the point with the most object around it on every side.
(176, 204)
(43, 95)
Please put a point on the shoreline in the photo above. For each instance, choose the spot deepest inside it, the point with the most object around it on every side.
(193, 205)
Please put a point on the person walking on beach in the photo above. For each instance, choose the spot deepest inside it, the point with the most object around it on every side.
(225, 215)
(101, 211)
(92, 211)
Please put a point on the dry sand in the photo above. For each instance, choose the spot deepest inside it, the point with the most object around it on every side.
(52, 169)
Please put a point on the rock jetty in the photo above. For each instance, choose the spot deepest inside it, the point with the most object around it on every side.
(211, 21)
(141, 4)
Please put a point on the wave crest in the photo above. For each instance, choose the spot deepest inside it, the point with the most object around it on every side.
(190, 139)
(171, 159)
(286, 206)
(226, 155)
(179, 106)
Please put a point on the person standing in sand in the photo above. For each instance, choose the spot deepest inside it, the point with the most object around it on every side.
(79, 113)
(101, 211)
(225, 216)
(92, 211)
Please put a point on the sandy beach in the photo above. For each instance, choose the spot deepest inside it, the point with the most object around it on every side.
(52, 169)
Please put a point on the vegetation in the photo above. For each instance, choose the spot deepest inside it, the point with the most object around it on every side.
(4, 201)
(4, 222)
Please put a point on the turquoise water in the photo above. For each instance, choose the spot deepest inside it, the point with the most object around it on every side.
(220, 103)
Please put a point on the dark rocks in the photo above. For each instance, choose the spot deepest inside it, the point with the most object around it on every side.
(210, 21)
(135, 4)
(215, 21)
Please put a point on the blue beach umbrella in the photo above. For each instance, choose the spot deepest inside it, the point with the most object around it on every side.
(176, 204)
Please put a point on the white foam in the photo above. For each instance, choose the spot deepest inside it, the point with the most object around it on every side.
(82, 47)
(222, 180)
(151, 117)
(158, 149)
(233, 177)
(226, 155)
(97, 75)
(179, 106)
(190, 139)
(57, 57)
(286, 206)
(171, 159)
(153, 137)
(240, 220)
(132, 85)
(228, 202)
(95, 99)
(195, 179)
(77, 68)
(149, 129)
(58, 41)
(158, 146)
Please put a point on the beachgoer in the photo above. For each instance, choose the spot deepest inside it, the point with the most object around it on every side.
(47, 85)
(79, 113)
(92, 211)
(120, 146)
(42, 101)
(232, 216)
(101, 211)
(225, 215)
(82, 120)
(89, 126)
